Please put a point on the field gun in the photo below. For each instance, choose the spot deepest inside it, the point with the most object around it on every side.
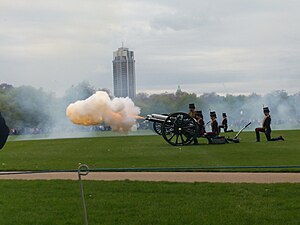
(176, 128)
(181, 129)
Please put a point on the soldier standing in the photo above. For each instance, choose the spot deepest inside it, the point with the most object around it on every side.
(192, 113)
(192, 110)
(224, 124)
(266, 127)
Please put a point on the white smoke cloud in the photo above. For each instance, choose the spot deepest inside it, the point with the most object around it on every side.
(119, 113)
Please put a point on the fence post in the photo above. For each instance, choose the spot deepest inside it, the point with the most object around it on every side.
(83, 170)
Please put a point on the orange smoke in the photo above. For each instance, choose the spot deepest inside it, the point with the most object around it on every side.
(137, 117)
(119, 113)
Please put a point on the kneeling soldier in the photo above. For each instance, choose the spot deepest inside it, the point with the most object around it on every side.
(224, 124)
(200, 121)
(266, 127)
(214, 127)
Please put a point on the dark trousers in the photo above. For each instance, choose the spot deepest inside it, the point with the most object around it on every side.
(195, 140)
(225, 129)
(209, 136)
(267, 133)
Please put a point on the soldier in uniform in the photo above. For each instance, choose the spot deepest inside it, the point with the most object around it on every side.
(192, 113)
(192, 110)
(201, 124)
(224, 124)
(214, 127)
(266, 127)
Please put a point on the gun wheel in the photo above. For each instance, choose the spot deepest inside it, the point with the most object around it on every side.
(179, 129)
(157, 127)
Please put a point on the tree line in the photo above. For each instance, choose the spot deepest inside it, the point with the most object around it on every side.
(285, 108)
(26, 107)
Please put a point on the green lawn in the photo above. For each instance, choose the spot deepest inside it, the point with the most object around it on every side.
(147, 151)
(145, 203)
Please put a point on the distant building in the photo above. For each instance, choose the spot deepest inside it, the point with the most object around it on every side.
(124, 73)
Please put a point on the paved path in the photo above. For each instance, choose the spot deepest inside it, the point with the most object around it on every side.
(218, 177)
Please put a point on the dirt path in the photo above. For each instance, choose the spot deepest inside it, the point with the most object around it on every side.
(166, 176)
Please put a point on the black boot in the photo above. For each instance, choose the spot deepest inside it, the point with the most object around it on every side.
(281, 138)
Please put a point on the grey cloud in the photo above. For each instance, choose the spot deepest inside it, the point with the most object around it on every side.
(177, 21)
(198, 44)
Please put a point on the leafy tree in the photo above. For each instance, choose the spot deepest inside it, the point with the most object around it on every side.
(26, 106)
(4, 87)
(31, 106)
(79, 92)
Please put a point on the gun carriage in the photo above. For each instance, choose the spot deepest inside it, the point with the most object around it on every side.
(176, 128)
(181, 129)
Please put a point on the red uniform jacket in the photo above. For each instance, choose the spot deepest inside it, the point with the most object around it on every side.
(267, 123)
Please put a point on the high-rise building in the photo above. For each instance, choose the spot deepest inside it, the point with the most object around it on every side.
(124, 73)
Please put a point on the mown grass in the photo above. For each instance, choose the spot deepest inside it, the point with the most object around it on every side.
(125, 202)
(117, 203)
(147, 151)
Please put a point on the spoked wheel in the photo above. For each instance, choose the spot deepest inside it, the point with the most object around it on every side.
(179, 129)
(157, 127)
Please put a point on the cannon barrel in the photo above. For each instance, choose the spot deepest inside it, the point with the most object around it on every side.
(156, 118)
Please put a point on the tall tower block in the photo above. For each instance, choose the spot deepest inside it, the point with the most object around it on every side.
(124, 73)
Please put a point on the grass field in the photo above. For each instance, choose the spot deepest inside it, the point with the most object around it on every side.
(146, 203)
(147, 151)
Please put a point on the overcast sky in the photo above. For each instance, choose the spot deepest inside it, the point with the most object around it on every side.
(223, 46)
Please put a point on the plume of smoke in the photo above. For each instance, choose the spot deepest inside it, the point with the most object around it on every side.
(119, 113)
